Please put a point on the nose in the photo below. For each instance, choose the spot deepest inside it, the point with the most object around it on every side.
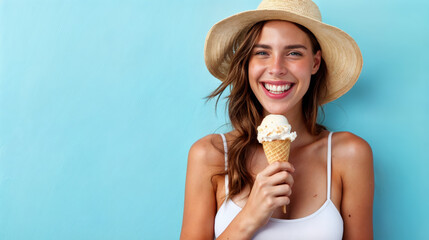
(277, 67)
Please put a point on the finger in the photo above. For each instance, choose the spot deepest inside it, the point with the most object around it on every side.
(276, 167)
(276, 202)
(282, 177)
(283, 190)
(276, 196)
(281, 201)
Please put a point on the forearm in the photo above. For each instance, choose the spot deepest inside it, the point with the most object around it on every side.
(241, 228)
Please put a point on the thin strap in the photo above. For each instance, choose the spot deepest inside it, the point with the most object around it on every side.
(225, 148)
(328, 176)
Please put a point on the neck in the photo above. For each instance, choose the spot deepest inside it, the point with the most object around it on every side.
(296, 119)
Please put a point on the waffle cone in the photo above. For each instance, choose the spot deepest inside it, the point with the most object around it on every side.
(277, 150)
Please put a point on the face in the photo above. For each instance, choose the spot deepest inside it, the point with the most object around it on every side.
(281, 66)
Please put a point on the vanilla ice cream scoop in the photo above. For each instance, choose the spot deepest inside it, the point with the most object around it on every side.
(275, 127)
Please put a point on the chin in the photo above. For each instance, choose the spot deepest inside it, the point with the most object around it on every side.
(283, 109)
(271, 110)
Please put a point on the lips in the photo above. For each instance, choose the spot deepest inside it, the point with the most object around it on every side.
(277, 89)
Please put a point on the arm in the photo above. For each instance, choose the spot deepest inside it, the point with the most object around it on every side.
(200, 198)
(358, 187)
(271, 190)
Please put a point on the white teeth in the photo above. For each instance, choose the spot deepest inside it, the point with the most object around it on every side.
(276, 89)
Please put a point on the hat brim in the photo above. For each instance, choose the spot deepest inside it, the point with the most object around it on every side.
(341, 53)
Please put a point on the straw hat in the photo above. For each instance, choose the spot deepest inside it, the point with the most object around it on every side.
(340, 52)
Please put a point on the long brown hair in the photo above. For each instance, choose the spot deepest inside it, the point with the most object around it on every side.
(246, 113)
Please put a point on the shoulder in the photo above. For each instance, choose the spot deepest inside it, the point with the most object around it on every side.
(353, 158)
(207, 151)
(205, 161)
(347, 144)
(350, 151)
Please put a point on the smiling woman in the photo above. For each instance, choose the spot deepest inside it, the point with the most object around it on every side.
(280, 59)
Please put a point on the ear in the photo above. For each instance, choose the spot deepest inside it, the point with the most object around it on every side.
(317, 59)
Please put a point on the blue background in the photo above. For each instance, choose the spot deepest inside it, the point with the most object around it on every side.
(100, 102)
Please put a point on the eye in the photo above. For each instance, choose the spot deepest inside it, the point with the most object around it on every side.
(261, 53)
(297, 54)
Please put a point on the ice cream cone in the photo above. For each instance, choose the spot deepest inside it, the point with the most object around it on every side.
(275, 135)
(277, 151)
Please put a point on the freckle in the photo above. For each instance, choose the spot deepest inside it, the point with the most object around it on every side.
(315, 195)
(350, 215)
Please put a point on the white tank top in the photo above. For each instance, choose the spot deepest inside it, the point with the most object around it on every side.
(325, 223)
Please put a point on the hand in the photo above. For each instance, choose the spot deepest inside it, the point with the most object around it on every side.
(271, 189)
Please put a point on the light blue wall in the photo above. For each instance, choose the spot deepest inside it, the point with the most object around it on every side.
(101, 100)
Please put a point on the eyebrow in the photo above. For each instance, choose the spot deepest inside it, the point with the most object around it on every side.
(293, 46)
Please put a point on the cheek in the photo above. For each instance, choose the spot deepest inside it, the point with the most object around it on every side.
(254, 72)
(303, 70)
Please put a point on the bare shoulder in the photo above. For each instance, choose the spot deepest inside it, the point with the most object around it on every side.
(350, 151)
(353, 158)
(207, 151)
(205, 160)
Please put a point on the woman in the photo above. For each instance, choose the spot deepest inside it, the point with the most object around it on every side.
(280, 59)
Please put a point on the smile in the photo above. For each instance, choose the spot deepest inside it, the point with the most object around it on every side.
(277, 89)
